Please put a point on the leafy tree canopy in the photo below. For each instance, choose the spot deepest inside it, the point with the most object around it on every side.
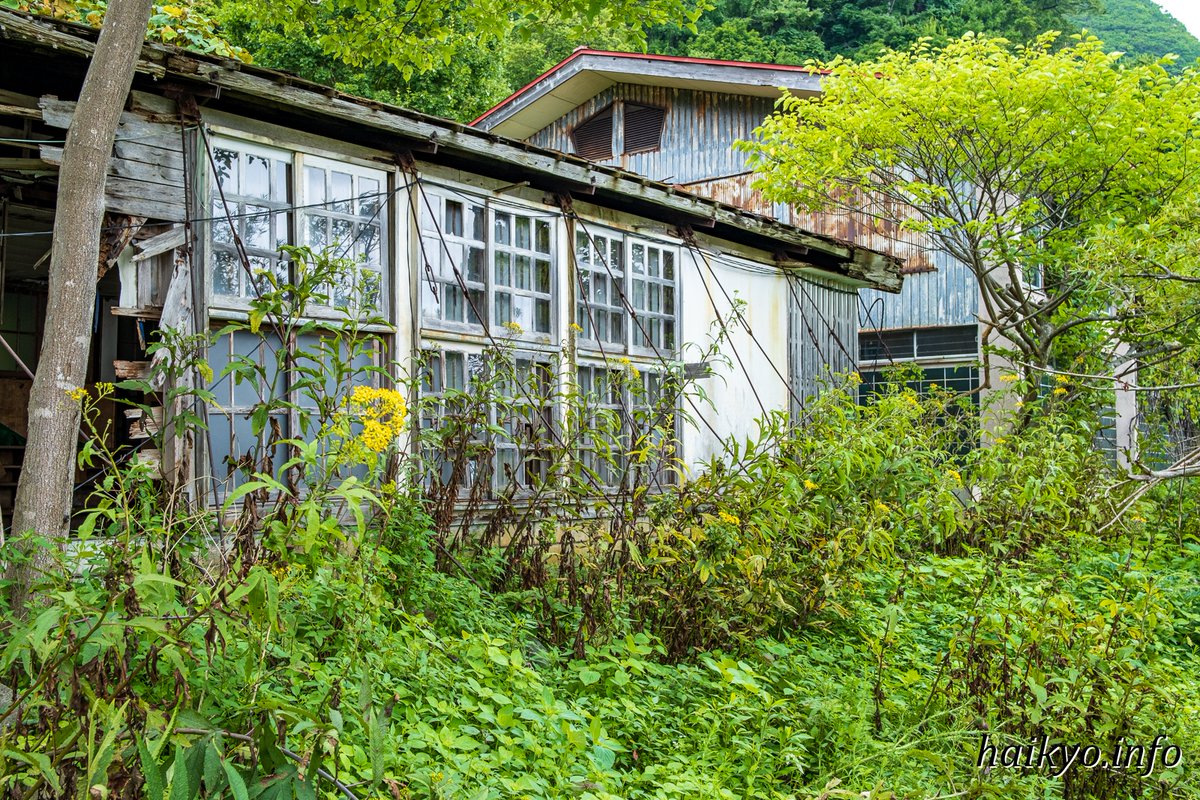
(793, 31)
(1046, 158)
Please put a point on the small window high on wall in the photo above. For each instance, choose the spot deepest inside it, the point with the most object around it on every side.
(594, 137)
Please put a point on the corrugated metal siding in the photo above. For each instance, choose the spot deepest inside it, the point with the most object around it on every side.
(697, 150)
(947, 296)
(698, 134)
(822, 337)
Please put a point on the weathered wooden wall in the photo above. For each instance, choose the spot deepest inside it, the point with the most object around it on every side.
(145, 176)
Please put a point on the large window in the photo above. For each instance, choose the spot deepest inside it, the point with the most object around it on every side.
(627, 298)
(486, 266)
(627, 426)
(271, 197)
(252, 199)
(915, 343)
(487, 423)
(263, 199)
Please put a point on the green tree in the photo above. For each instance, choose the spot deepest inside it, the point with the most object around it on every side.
(1032, 165)
(1140, 28)
(792, 31)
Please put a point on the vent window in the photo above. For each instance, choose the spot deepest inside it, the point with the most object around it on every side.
(923, 343)
(594, 137)
(643, 128)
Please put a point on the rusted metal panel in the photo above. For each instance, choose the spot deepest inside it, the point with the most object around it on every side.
(698, 154)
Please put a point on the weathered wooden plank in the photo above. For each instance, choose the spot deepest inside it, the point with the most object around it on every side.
(46, 35)
(137, 171)
(27, 165)
(155, 245)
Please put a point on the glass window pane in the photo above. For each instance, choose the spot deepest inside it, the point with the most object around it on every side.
(314, 185)
(257, 180)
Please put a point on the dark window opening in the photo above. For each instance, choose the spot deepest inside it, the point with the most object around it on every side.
(962, 340)
(594, 137)
(643, 126)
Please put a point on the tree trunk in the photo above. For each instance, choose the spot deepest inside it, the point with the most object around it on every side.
(43, 504)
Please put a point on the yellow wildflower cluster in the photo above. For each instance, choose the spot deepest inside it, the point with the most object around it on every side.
(575, 326)
(514, 328)
(954, 475)
(77, 394)
(809, 485)
(725, 516)
(1060, 391)
(882, 507)
(1008, 377)
(382, 412)
(1061, 378)
(627, 364)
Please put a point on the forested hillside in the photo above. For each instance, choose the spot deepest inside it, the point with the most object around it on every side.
(792, 31)
(1140, 28)
(780, 31)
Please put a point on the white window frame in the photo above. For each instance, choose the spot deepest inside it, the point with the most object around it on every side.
(432, 257)
(296, 160)
(628, 279)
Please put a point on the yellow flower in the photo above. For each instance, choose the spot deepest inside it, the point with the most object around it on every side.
(725, 516)
(1137, 519)
(809, 485)
(882, 507)
(1008, 377)
(953, 473)
(1062, 378)
(514, 328)
(575, 326)
(382, 413)
(1060, 391)
(77, 394)
(375, 436)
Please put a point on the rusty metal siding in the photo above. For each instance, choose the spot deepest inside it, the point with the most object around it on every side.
(946, 296)
(698, 150)
(822, 337)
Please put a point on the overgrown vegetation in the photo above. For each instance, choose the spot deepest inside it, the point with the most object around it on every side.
(840, 610)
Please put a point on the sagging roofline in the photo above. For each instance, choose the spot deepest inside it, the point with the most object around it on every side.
(304, 105)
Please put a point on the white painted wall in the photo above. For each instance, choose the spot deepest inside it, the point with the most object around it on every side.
(737, 392)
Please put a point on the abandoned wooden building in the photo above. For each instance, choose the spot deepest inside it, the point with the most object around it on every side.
(458, 235)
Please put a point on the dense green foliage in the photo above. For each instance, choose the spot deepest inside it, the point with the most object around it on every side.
(793, 31)
(1059, 176)
(837, 611)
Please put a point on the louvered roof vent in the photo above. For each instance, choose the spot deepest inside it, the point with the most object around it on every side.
(594, 137)
(643, 127)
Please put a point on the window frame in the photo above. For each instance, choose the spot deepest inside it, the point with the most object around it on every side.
(630, 313)
(488, 287)
(296, 159)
